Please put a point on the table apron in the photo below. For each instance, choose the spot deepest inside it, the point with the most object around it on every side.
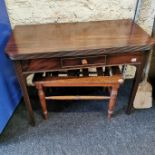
(55, 64)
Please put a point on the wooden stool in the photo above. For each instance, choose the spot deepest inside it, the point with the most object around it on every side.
(112, 79)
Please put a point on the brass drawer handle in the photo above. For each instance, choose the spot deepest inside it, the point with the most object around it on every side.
(84, 62)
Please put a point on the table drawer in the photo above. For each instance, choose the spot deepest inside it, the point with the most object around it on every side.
(83, 61)
(42, 64)
(56, 64)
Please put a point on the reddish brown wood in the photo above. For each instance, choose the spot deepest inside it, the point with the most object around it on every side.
(83, 61)
(23, 86)
(80, 81)
(112, 101)
(71, 39)
(42, 48)
(100, 71)
(42, 100)
(77, 97)
(85, 72)
(55, 64)
(138, 78)
(101, 81)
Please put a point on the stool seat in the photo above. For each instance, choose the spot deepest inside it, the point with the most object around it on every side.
(112, 80)
(80, 81)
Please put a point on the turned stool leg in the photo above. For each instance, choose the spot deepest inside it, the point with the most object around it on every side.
(112, 101)
(42, 101)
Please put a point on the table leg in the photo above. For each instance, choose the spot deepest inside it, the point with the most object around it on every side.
(22, 82)
(138, 78)
(41, 95)
(112, 101)
(134, 89)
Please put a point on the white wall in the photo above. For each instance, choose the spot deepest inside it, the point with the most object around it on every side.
(147, 14)
(45, 11)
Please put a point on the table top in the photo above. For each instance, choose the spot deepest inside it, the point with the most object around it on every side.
(43, 40)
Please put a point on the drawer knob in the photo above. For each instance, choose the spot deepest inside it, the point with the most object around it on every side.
(133, 59)
(84, 61)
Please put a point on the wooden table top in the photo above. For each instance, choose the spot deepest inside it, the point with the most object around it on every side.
(46, 39)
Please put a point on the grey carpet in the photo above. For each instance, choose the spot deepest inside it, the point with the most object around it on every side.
(82, 128)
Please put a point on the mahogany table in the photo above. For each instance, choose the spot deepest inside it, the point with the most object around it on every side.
(57, 47)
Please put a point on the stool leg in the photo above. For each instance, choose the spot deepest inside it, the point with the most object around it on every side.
(43, 101)
(112, 101)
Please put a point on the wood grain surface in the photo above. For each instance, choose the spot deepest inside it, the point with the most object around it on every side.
(70, 39)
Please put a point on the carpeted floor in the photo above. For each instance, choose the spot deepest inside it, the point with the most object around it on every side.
(81, 128)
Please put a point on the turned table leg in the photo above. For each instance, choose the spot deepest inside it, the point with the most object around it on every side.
(112, 101)
(41, 95)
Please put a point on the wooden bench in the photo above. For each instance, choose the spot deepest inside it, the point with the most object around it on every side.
(111, 78)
